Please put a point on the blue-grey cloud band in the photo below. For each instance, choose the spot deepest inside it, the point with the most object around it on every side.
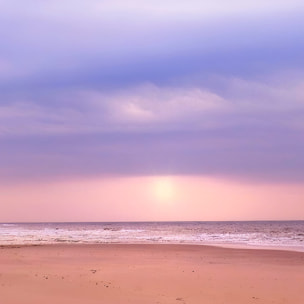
(109, 89)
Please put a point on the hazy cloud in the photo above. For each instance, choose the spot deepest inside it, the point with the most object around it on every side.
(134, 87)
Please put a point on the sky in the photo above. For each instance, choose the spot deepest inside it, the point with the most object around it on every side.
(151, 110)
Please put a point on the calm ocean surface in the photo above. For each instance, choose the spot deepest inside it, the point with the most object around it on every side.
(273, 234)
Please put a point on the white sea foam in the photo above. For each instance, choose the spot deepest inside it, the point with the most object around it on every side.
(282, 235)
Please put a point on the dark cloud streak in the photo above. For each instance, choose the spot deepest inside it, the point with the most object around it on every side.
(263, 154)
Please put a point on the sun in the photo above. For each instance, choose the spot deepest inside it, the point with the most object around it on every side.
(163, 189)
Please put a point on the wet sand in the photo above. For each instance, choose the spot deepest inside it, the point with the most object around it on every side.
(139, 274)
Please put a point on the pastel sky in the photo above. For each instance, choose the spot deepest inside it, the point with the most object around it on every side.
(151, 110)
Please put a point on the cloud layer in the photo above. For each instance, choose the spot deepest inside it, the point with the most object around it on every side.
(110, 88)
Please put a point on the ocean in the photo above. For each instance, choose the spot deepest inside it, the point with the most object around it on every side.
(288, 235)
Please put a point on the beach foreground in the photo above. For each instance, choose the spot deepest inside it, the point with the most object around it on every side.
(136, 274)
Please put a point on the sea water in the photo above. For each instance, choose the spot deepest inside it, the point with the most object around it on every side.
(287, 235)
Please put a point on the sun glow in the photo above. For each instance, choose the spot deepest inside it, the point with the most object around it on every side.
(163, 189)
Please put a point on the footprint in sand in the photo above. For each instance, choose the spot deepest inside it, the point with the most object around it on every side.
(180, 299)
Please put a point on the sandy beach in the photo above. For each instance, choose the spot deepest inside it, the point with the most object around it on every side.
(136, 274)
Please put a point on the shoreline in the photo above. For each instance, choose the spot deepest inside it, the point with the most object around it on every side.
(224, 246)
(275, 235)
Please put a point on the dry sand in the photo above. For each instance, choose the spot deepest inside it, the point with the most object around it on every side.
(142, 274)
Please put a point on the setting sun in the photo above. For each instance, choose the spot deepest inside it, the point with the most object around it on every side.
(163, 189)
